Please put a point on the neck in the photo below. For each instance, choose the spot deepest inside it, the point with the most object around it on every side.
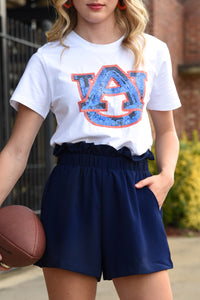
(99, 33)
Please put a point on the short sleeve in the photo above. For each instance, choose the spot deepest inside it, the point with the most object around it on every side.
(163, 95)
(33, 88)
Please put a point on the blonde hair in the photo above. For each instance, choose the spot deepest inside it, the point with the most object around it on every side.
(132, 21)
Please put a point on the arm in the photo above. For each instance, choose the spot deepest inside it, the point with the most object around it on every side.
(14, 156)
(167, 149)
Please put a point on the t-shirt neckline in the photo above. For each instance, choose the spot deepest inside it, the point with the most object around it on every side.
(83, 42)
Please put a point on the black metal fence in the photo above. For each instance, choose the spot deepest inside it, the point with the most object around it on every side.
(16, 47)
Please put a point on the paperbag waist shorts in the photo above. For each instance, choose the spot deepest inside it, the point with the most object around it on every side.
(95, 220)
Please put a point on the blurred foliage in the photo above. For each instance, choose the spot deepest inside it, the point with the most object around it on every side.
(182, 206)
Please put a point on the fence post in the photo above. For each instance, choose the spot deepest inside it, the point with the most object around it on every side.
(4, 68)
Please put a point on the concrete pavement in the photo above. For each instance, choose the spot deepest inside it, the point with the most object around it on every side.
(28, 283)
(185, 277)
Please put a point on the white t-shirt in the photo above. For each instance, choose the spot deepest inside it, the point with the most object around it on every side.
(94, 92)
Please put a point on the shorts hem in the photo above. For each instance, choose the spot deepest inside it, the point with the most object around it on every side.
(69, 268)
(130, 273)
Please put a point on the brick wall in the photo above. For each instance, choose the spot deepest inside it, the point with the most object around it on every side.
(178, 24)
(192, 31)
(190, 84)
(190, 94)
(149, 6)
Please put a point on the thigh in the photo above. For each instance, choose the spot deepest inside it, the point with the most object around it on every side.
(155, 286)
(67, 285)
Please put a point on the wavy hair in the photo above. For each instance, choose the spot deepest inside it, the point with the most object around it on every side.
(132, 21)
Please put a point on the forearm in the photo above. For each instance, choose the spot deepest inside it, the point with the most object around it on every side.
(12, 165)
(167, 149)
(14, 156)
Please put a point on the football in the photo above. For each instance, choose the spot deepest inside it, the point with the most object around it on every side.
(22, 237)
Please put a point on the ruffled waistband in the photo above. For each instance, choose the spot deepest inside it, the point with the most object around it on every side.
(100, 150)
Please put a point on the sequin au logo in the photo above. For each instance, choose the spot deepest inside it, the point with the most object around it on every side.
(112, 97)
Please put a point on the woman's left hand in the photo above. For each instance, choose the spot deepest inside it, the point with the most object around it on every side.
(3, 267)
(159, 184)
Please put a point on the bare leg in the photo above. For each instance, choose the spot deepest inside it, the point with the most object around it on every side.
(67, 285)
(155, 286)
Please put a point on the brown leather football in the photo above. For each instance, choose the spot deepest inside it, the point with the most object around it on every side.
(22, 237)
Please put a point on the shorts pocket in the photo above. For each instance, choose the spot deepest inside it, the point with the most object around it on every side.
(153, 196)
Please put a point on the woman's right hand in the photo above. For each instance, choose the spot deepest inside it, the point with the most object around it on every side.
(2, 268)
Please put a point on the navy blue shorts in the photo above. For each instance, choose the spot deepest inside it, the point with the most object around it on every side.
(96, 221)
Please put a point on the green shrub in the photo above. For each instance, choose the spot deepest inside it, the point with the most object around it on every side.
(182, 205)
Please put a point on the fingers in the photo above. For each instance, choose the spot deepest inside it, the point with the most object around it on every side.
(3, 267)
(145, 182)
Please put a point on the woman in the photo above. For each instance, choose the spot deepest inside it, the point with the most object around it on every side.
(101, 208)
